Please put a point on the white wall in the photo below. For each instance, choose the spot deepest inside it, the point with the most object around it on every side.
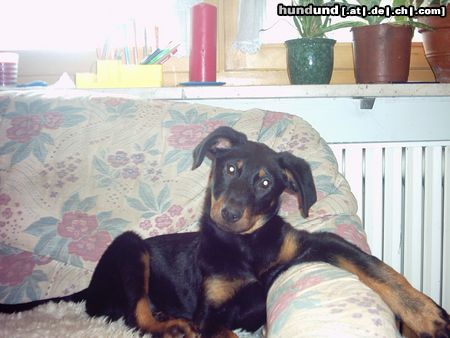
(341, 119)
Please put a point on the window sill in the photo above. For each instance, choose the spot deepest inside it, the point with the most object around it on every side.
(291, 91)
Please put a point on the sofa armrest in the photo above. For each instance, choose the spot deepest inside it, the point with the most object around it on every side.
(319, 300)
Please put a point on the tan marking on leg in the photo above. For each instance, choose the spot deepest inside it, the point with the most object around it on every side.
(145, 258)
(144, 317)
(415, 309)
(289, 248)
(170, 328)
(219, 289)
(407, 332)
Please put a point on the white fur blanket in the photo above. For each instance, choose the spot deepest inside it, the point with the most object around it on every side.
(61, 320)
(67, 320)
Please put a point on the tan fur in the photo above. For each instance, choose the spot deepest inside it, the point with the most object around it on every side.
(261, 173)
(257, 222)
(216, 209)
(239, 164)
(223, 143)
(415, 309)
(144, 317)
(289, 248)
(147, 322)
(219, 289)
(145, 259)
(245, 224)
(289, 175)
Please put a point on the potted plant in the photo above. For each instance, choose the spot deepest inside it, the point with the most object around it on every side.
(382, 47)
(436, 39)
(310, 58)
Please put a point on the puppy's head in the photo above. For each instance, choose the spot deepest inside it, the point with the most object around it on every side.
(247, 179)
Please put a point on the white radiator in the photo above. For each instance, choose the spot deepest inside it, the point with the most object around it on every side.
(403, 194)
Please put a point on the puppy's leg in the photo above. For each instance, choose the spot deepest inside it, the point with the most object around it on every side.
(414, 308)
(120, 285)
(247, 309)
(230, 303)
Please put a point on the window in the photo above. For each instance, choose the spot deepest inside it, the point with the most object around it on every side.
(82, 25)
(268, 66)
(69, 31)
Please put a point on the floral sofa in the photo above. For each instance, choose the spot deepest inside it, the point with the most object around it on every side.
(79, 168)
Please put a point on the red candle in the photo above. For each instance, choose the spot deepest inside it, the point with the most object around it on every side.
(202, 61)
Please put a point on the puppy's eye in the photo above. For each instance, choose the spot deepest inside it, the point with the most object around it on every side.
(265, 183)
(231, 169)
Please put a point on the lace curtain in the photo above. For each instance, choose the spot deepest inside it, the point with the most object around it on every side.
(250, 23)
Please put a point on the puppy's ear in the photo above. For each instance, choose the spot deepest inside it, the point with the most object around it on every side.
(219, 140)
(299, 179)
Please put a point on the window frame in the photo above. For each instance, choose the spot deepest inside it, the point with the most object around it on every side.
(268, 66)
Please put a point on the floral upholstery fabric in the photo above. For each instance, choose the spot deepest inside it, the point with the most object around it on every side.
(78, 168)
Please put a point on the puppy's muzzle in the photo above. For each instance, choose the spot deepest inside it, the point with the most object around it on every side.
(231, 214)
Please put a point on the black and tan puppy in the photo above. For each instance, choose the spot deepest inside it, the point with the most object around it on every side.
(215, 280)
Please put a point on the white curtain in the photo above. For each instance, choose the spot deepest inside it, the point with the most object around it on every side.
(250, 23)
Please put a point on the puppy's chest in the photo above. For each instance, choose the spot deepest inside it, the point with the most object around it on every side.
(279, 253)
(247, 271)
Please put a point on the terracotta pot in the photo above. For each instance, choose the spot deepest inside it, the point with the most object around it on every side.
(437, 45)
(310, 60)
(381, 53)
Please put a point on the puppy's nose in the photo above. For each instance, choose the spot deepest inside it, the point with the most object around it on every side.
(231, 215)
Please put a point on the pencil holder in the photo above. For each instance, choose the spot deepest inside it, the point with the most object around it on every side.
(114, 74)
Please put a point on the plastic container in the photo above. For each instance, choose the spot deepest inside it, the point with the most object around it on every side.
(114, 74)
(9, 63)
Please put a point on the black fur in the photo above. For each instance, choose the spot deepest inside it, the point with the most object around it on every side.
(217, 279)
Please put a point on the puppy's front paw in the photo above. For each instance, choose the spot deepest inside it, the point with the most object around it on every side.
(178, 328)
(440, 325)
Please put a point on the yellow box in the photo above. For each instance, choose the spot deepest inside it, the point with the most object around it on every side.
(114, 74)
